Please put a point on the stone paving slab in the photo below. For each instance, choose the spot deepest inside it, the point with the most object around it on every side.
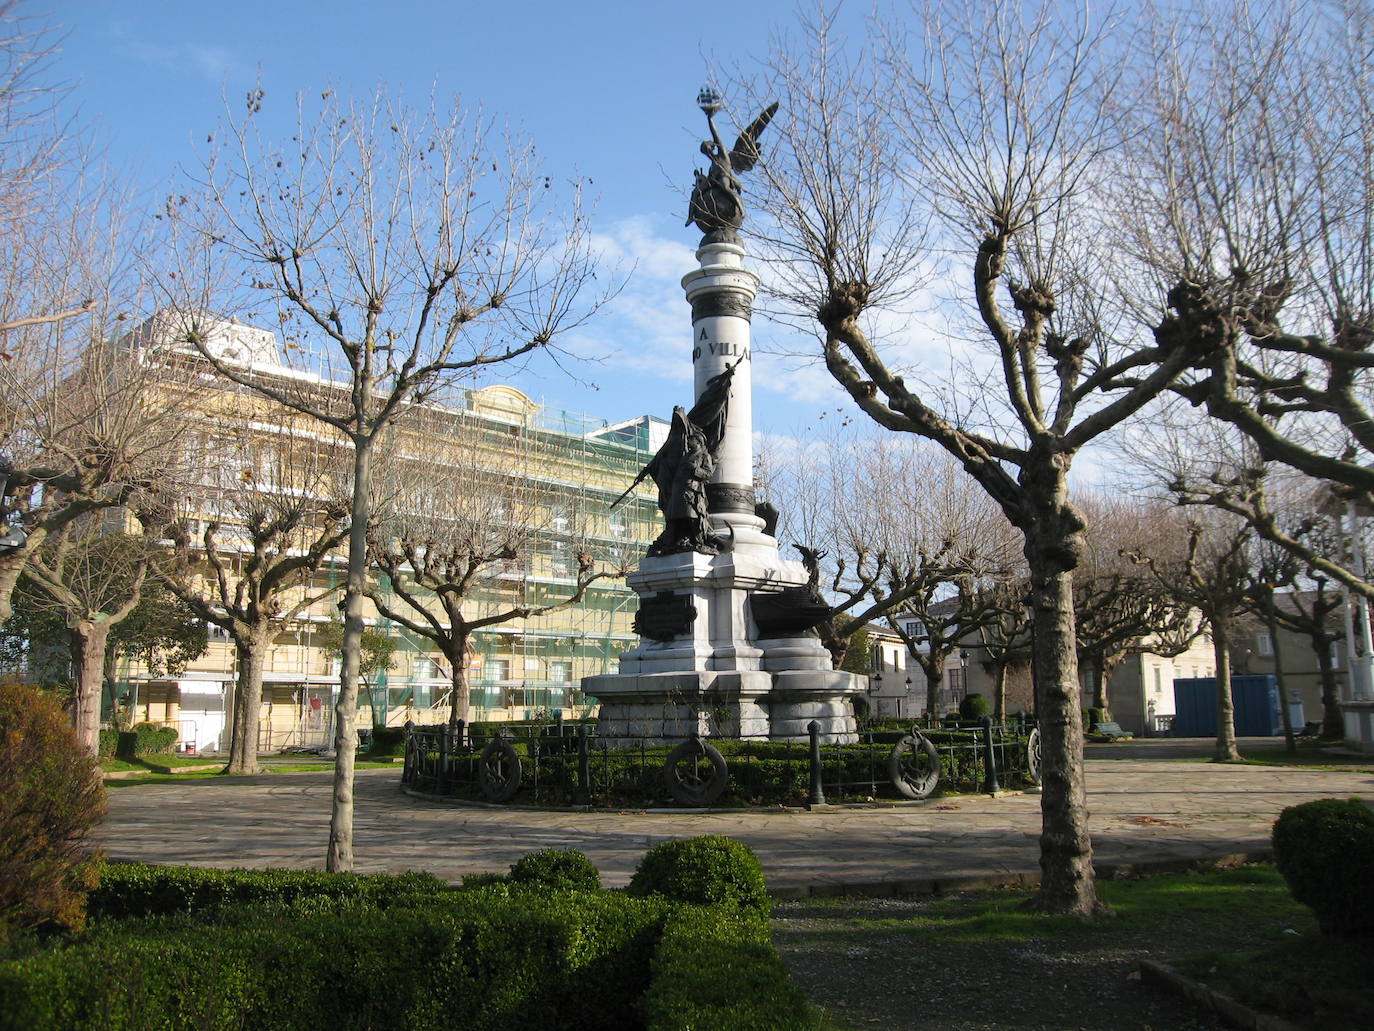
(1142, 812)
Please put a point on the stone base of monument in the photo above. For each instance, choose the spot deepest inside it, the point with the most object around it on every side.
(753, 705)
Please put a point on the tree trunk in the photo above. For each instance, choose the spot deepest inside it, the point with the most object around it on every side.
(339, 858)
(12, 565)
(1333, 723)
(1066, 855)
(1100, 675)
(1226, 707)
(251, 647)
(1290, 744)
(999, 692)
(90, 638)
(934, 679)
(460, 698)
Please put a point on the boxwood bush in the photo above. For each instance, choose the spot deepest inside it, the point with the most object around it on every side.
(140, 890)
(718, 969)
(465, 959)
(561, 868)
(708, 870)
(1325, 851)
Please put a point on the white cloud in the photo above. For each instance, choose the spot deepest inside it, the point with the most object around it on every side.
(212, 63)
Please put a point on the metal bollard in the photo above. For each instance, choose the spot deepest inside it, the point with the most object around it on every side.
(990, 785)
(817, 791)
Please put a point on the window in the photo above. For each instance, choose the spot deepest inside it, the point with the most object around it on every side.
(1335, 654)
(954, 678)
(559, 520)
(498, 669)
(1159, 681)
(914, 629)
(620, 525)
(425, 668)
(561, 562)
(1264, 644)
(560, 672)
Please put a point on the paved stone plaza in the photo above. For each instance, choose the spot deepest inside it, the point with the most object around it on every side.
(1143, 811)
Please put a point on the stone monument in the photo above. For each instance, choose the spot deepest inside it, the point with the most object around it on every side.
(725, 622)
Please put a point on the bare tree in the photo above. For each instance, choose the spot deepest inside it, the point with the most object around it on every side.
(1214, 578)
(92, 575)
(995, 133)
(1247, 189)
(49, 207)
(472, 504)
(398, 252)
(1119, 606)
(248, 534)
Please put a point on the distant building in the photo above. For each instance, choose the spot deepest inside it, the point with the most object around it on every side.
(516, 668)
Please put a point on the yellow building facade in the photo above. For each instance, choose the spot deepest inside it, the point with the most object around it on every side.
(570, 469)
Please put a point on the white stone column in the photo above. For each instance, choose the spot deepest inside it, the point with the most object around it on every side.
(721, 292)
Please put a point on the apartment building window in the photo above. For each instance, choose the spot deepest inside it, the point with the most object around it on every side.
(620, 524)
(1264, 643)
(559, 518)
(1159, 681)
(498, 670)
(560, 672)
(954, 679)
(425, 668)
(561, 561)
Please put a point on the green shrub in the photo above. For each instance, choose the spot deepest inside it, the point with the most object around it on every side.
(386, 741)
(974, 707)
(557, 868)
(709, 870)
(140, 890)
(109, 740)
(1092, 717)
(152, 739)
(717, 969)
(464, 959)
(50, 798)
(1325, 851)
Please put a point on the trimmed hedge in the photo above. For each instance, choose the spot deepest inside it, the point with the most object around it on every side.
(145, 739)
(280, 950)
(708, 870)
(465, 959)
(386, 742)
(109, 743)
(139, 890)
(718, 969)
(1325, 851)
(974, 707)
(566, 869)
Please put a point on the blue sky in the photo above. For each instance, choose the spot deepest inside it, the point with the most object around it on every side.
(605, 89)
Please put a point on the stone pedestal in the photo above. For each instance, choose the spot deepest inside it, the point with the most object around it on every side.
(713, 672)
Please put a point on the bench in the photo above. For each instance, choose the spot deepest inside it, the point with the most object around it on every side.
(1113, 731)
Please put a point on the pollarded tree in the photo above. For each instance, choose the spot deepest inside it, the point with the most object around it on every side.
(1119, 606)
(1246, 190)
(83, 421)
(984, 139)
(1214, 577)
(462, 527)
(92, 577)
(161, 634)
(248, 534)
(398, 253)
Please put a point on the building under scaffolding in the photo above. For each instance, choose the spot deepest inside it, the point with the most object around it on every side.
(574, 468)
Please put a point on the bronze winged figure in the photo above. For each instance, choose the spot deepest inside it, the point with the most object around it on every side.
(716, 205)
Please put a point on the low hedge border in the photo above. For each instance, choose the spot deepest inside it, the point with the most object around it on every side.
(176, 947)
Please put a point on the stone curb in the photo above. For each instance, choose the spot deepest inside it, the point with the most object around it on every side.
(961, 881)
(153, 768)
(1231, 1011)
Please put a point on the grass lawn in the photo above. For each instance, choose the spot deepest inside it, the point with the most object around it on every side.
(980, 961)
(1309, 756)
(309, 764)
